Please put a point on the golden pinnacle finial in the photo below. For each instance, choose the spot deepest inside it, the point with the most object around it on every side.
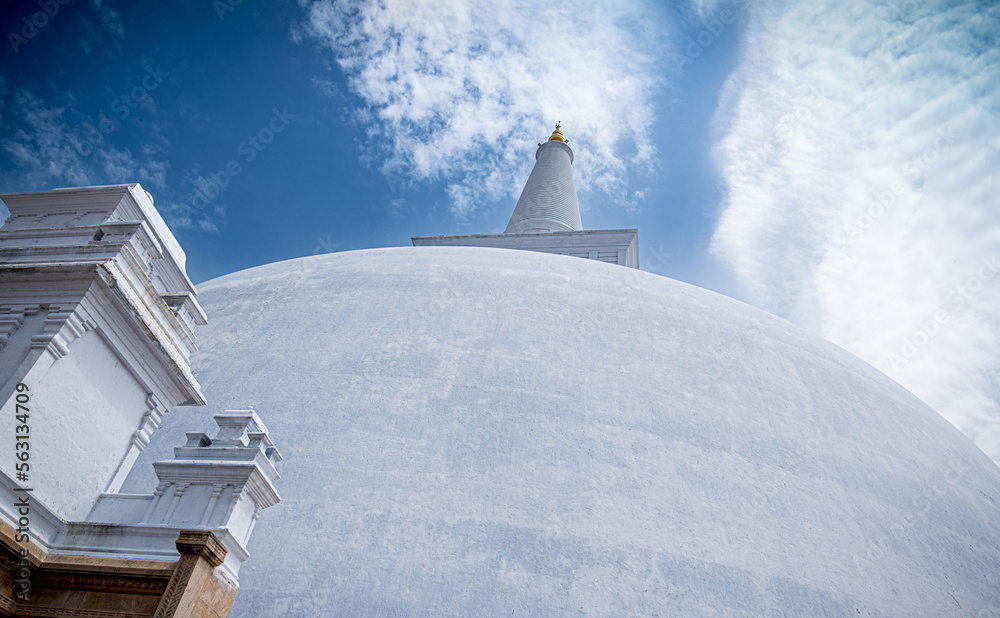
(557, 135)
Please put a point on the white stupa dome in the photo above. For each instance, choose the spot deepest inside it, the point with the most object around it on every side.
(478, 432)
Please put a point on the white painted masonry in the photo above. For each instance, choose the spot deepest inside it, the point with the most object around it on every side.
(546, 218)
(612, 246)
(483, 431)
(548, 202)
(97, 320)
(220, 484)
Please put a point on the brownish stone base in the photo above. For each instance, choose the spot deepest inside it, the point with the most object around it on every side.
(85, 587)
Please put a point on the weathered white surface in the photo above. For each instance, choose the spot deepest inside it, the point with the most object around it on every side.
(82, 417)
(491, 432)
(612, 246)
(548, 201)
(221, 484)
(97, 319)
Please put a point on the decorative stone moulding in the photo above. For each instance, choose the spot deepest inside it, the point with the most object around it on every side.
(62, 327)
(11, 319)
(218, 484)
(97, 321)
(60, 249)
(151, 420)
(611, 246)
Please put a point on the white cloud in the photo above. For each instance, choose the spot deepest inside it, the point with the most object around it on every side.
(861, 147)
(53, 146)
(327, 87)
(111, 19)
(464, 90)
(39, 142)
(120, 167)
(707, 8)
(203, 207)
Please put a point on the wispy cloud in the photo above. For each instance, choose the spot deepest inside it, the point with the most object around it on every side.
(111, 19)
(860, 154)
(52, 145)
(463, 90)
(39, 142)
(198, 209)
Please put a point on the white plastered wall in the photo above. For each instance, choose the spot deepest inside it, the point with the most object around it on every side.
(73, 456)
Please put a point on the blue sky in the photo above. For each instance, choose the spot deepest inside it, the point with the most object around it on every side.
(834, 163)
(210, 78)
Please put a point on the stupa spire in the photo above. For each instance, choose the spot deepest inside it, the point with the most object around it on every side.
(547, 216)
(548, 201)
(557, 135)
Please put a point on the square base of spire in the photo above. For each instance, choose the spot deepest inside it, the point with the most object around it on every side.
(612, 246)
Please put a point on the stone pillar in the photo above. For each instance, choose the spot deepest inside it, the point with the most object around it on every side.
(195, 589)
(216, 484)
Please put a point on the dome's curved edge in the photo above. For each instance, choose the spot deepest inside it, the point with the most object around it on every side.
(346, 284)
(527, 258)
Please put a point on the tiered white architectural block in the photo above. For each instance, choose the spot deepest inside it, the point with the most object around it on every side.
(220, 484)
(97, 319)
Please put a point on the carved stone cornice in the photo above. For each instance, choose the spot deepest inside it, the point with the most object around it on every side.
(11, 319)
(98, 582)
(178, 584)
(200, 550)
(38, 611)
(57, 245)
(62, 326)
(202, 543)
(123, 577)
